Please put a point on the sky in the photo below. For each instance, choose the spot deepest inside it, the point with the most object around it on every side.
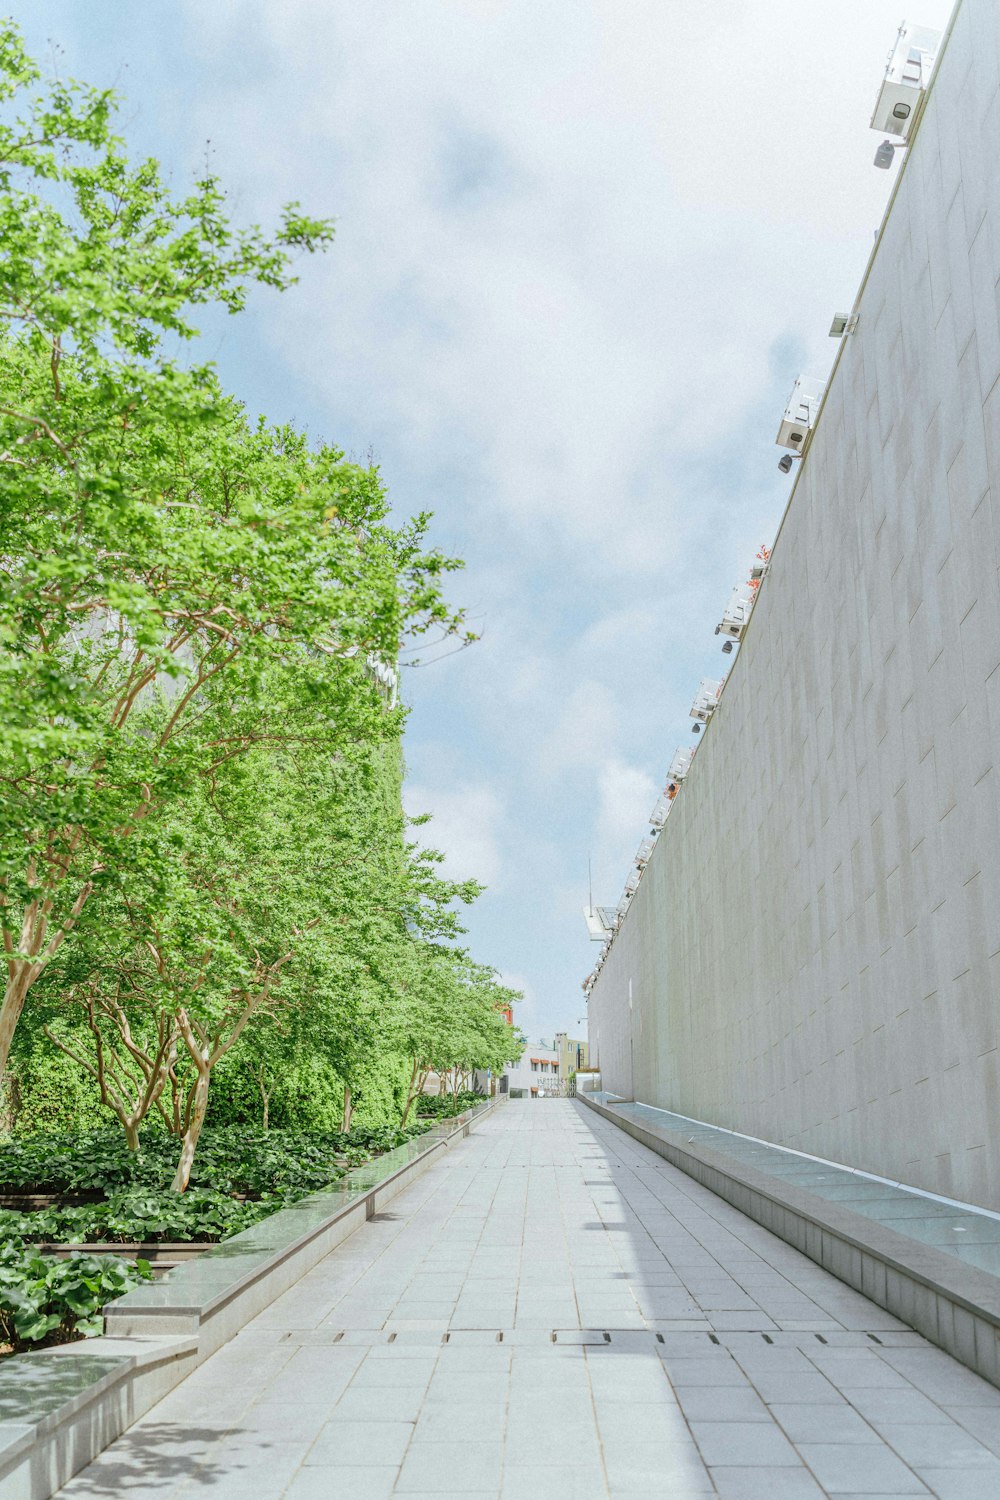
(583, 250)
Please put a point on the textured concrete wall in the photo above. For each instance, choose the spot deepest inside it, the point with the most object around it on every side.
(814, 950)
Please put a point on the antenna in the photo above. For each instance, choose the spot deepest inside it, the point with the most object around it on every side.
(590, 886)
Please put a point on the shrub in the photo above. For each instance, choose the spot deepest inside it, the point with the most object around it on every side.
(436, 1106)
(141, 1215)
(46, 1299)
(308, 1094)
(46, 1091)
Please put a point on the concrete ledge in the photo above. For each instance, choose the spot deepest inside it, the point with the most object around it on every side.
(953, 1304)
(59, 1408)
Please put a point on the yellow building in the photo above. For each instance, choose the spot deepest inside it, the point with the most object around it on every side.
(571, 1055)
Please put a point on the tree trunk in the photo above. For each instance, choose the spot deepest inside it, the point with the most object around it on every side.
(265, 1094)
(345, 1123)
(411, 1093)
(131, 1134)
(193, 1131)
(10, 1103)
(15, 994)
(22, 973)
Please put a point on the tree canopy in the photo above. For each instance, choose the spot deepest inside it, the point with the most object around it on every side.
(201, 836)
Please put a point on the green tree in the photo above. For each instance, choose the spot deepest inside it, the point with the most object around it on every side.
(454, 1022)
(224, 921)
(177, 586)
(203, 858)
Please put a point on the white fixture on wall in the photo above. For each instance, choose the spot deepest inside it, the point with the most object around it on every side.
(907, 75)
(680, 765)
(706, 700)
(759, 567)
(658, 816)
(800, 413)
(843, 323)
(598, 927)
(736, 615)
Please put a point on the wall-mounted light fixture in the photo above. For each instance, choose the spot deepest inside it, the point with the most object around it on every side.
(843, 323)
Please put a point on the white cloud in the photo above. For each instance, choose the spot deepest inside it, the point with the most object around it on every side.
(626, 795)
(568, 234)
(465, 827)
(580, 728)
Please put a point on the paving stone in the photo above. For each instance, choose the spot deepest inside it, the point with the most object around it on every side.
(831, 1422)
(554, 1482)
(441, 1422)
(368, 1403)
(647, 1422)
(358, 1443)
(688, 1372)
(747, 1444)
(328, 1484)
(651, 1468)
(859, 1468)
(787, 1386)
(724, 1403)
(960, 1484)
(438, 1468)
(783, 1483)
(981, 1421)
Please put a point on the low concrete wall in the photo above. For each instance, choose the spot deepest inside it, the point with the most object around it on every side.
(65, 1405)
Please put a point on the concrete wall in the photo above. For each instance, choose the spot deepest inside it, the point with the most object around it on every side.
(814, 950)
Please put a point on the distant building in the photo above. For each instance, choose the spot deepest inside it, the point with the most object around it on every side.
(544, 1070)
(573, 1055)
(536, 1075)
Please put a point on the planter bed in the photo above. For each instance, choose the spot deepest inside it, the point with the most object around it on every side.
(80, 1215)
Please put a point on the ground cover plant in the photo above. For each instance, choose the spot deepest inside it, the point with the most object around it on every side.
(46, 1299)
(104, 1192)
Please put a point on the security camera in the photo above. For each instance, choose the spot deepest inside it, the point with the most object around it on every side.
(785, 464)
(727, 648)
(884, 155)
(696, 729)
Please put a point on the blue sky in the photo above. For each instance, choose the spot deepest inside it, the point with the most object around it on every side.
(583, 250)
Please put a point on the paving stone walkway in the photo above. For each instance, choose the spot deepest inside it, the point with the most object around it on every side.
(554, 1311)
